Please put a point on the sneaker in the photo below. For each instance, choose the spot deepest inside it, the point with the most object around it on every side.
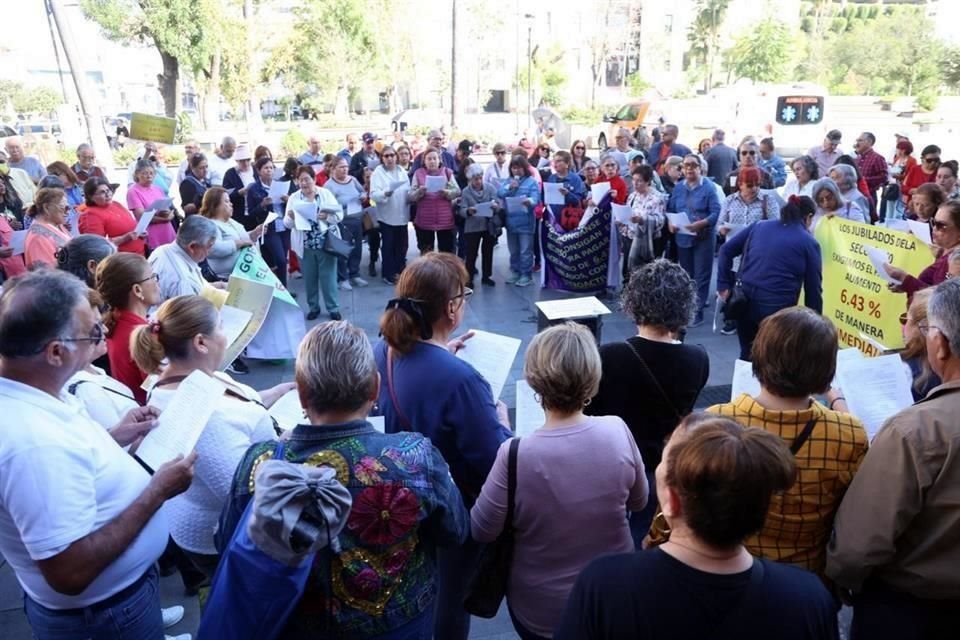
(238, 367)
(345, 285)
(697, 321)
(729, 328)
(523, 281)
(488, 282)
(335, 315)
(296, 275)
(357, 281)
(513, 278)
(313, 315)
(171, 616)
(388, 281)
(373, 270)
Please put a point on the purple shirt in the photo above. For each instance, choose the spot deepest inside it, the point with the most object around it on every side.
(574, 487)
(140, 197)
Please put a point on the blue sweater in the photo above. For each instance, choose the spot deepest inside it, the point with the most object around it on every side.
(521, 222)
(445, 399)
(576, 192)
(776, 168)
(701, 202)
(782, 259)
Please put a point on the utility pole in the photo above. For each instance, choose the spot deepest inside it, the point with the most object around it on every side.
(56, 52)
(96, 134)
(453, 68)
(516, 73)
(529, 18)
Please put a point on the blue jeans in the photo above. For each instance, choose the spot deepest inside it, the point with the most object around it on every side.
(132, 614)
(640, 521)
(749, 325)
(276, 244)
(350, 267)
(521, 252)
(455, 566)
(420, 628)
(697, 261)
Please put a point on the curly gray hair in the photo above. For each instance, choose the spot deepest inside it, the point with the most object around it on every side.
(661, 294)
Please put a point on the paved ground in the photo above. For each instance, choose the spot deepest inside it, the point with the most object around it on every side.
(501, 309)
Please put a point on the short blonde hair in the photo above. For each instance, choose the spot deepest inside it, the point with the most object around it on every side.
(563, 366)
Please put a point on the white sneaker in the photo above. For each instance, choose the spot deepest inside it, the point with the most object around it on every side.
(171, 616)
(346, 286)
(296, 275)
(182, 636)
(358, 282)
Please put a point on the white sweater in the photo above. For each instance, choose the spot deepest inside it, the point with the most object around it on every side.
(395, 210)
(325, 202)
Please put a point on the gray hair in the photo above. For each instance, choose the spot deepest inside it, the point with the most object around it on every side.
(660, 294)
(36, 309)
(144, 163)
(612, 158)
(943, 311)
(848, 174)
(828, 185)
(227, 141)
(335, 368)
(196, 229)
(74, 256)
(813, 169)
(473, 171)
(84, 146)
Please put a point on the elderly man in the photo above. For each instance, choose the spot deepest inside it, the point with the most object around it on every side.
(18, 180)
(624, 152)
(221, 160)
(435, 141)
(749, 152)
(313, 155)
(721, 159)
(190, 147)
(17, 159)
(366, 160)
(86, 166)
(895, 540)
(664, 148)
(871, 164)
(827, 153)
(78, 515)
(352, 145)
(177, 264)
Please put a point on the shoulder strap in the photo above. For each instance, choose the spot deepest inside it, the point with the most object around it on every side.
(393, 394)
(746, 248)
(804, 435)
(656, 382)
(763, 201)
(511, 482)
(72, 389)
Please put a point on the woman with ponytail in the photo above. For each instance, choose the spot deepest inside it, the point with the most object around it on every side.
(187, 333)
(427, 389)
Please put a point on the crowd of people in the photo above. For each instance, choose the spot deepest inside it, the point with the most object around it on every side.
(755, 518)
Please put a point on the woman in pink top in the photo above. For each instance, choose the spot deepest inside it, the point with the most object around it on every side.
(10, 265)
(434, 210)
(140, 195)
(577, 477)
(48, 232)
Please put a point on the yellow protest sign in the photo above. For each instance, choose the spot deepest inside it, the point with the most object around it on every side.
(144, 126)
(254, 297)
(858, 301)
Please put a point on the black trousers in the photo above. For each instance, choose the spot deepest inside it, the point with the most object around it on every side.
(482, 242)
(444, 242)
(880, 613)
(373, 242)
(395, 241)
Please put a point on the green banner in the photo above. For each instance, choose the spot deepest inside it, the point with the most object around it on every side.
(251, 266)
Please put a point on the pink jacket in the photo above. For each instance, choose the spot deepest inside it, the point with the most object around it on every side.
(434, 211)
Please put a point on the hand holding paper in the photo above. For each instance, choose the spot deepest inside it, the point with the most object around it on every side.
(483, 209)
(18, 242)
(598, 190)
(145, 218)
(553, 194)
(622, 213)
(435, 184)
(516, 204)
(878, 258)
(681, 222)
(492, 356)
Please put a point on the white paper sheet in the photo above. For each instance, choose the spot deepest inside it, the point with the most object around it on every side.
(875, 389)
(73, 222)
(161, 204)
(378, 422)
(145, 218)
(483, 209)
(622, 213)
(898, 225)
(572, 308)
(850, 353)
(277, 190)
(680, 221)
(303, 214)
(399, 184)
(182, 421)
(516, 204)
(18, 242)
(552, 194)
(233, 321)
(598, 190)
(435, 183)
(530, 415)
(492, 356)
(733, 228)
(354, 207)
(878, 257)
(743, 380)
(287, 410)
(921, 230)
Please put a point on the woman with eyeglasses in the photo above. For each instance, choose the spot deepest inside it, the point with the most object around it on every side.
(749, 154)
(103, 216)
(925, 171)
(72, 185)
(830, 203)
(945, 232)
(914, 353)
(498, 171)
(540, 158)
(140, 195)
(129, 287)
(425, 388)
(390, 190)
(195, 182)
(925, 202)
(578, 156)
(48, 233)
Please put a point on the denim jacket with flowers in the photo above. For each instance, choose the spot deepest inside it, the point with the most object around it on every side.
(405, 504)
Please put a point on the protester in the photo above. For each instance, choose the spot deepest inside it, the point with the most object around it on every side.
(86, 166)
(351, 195)
(237, 181)
(871, 165)
(747, 205)
(641, 238)
(665, 147)
(177, 265)
(232, 237)
(363, 162)
(83, 254)
(578, 156)
(499, 170)
(480, 230)
(313, 155)
(610, 173)
(190, 148)
(318, 265)
(540, 157)
(435, 141)
(721, 159)
(353, 144)
(830, 203)
(186, 336)
(773, 164)
(10, 265)
(704, 582)
(827, 153)
(276, 237)
(405, 159)
(140, 196)
(945, 232)
(405, 506)
(195, 182)
(562, 367)
(390, 190)
(846, 178)
(434, 209)
(11, 204)
(749, 152)
(925, 202)
(893, 541)
(48, 233)
(150, 153)
(429, 390)
(914, 353)
(778, 259)
(921, 173)
(520, 222)
(672, 173)
(591, 172)
(572, 187)
(103, 216)
(222, 160)
(805, 175)
(903, 160)
(18, 159)
(947, 179)
(78, 514)
(695, 244)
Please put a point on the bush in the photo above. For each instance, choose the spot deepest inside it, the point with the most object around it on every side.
(583, 115)
(292, 144)
(125, 155)
(927, 100)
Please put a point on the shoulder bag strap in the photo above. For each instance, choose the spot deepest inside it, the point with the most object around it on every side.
(656, 382)
(763, 201)
(393, 394)
(746, 248)
(72, 389)
(804, 435)
(511, 482)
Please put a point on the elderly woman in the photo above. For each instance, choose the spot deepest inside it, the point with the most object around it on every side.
(552, 512)
(830, 202)
(590, 173)
(610, 173)
(276, 236)
(10, 265)
(195, 182)
(914, 353)
(72, 185)
(383, 574)
(427, 389)
(434, 209)
(177, 264)
(312, 213)
(128, 286)
(520, 221)
(805, 175)
(390, 190)
(652, 380)
(186, 332)
(223, 256)
(352, 197)
(83, 254)
(925, 202)
(903, 160)
(704, 582)
(947, 179)
(946, 239)
(141, 195)
(105, 217)
(237, 180)
(642, 237)
(747, 205)
(480, 229)
(48, 233)
(784, 259)
(847, 179)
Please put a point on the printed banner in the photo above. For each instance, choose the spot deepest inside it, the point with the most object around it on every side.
(144, 126)
(583, 260)
(252, 267)
(251, 296)
(865, 311)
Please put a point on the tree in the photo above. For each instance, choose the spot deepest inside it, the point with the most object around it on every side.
(25, 99)
(611, 26)
(950, 67)
(704, 35)
(762, 54)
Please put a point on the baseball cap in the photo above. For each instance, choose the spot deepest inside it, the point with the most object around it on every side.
(465, 146)
(369, 137)
(834, 135)
(242, 152)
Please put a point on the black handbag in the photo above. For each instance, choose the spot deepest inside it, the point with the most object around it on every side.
(488, 585)
(737, 304)
(336, 246)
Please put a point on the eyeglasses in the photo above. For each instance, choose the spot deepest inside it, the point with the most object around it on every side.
(102, 192)
(609, 165)
(499, 153)
(940, 225)
(748, 152)
(925, 328)
(903, 319)
(155, 277)
(466, 293)
(544, 148)
(691, 165)
(932, 159)
(97, 335)
(389, 155)
(579, 148)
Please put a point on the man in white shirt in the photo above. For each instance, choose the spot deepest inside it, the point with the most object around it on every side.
(78, 515)
(221, 160)
(177, 264)
(190, 147)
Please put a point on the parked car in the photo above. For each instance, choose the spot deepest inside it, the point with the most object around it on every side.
(631, 115)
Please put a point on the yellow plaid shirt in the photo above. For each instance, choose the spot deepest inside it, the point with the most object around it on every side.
(800, 521)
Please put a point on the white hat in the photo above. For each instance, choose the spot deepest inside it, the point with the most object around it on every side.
(242, 152)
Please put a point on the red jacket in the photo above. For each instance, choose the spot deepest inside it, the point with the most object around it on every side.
(617, 184)
(122, 366)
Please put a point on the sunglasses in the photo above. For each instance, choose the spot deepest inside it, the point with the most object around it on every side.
(389, 155)
(931, 159)
(748, 153)
(500, 153)
(580, 148)
(690, 165)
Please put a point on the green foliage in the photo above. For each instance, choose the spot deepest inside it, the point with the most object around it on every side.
(184, 127)
(27, 99)
(636, 85)
(927, 100)
(583, 115)
(950, 67)
(703, 34)
(762, 54)
(292, 143)
(125, 155)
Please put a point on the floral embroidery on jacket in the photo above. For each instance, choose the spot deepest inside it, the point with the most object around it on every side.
(368, 470)
(384, 513)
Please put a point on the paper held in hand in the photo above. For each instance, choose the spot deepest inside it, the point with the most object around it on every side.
(492, 356)
(552, 193)
(287, 410)
(18, 242)
(398, 184)
(598, 190)
(878, 258)
(887, 393)
(743, 380)
(304, 213)
(233, 321)
(435, 183)
(516, 204)
(277, 191)
(145, 219)
(680, 221)
(182, 421)
(483, 209)
(530, 415)
(622, 213)
(921, 230)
